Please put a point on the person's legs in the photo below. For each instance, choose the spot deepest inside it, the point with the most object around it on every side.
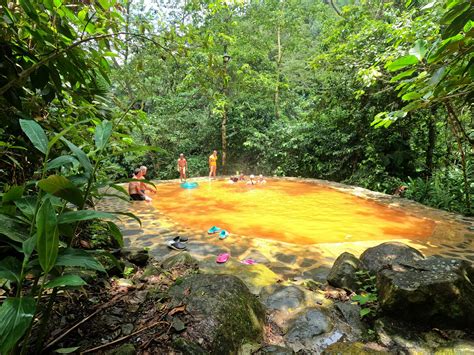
(137, 197)
(183, 171)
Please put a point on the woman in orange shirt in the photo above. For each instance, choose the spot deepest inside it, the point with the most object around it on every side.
(212, 164)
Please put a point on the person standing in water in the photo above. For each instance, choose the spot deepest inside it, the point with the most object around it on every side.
(182, 167)
(212, 164)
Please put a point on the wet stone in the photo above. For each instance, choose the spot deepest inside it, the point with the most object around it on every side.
(306, 330)
(307, 262)
(285, 298)
(318, 274)
(131, 232)
(284, 258)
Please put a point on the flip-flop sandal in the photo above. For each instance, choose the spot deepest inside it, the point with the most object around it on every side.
(222, 258)
(223, 234)
(248, 261)
(180, 239)
(176, 245)
(213, 230)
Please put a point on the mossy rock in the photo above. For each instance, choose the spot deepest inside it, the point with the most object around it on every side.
(181, 259)
(125, 349)
(256, 276)
(353, 348)
(343, 273)
(221, 313)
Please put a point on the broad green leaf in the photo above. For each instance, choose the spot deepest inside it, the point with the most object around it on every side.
(364, 311)
(61, 161)
(468, 26)
(66, 280)
(129, 214)
(419, 50)
(402, 75)
(27, 205)
(411, 96)
(47, 242)
(16, 315)
(10, 269)
(13, 229)
(84, 215)
(437, 76)
(116, 233)
(29, 245)
(402, 62)
(36, 134)
(14, 193)
(81, 156)
(102, 134)
(79, 258)
(60, 186)
(66, 350)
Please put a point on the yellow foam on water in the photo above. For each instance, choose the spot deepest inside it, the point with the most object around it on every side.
(288, 211)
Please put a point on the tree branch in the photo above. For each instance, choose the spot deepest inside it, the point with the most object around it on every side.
(336, 8)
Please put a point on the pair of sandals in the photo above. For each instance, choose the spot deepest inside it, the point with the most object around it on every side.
(177, 243)
(222, 258)
(222, 232)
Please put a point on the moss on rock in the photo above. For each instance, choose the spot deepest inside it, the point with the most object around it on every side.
(222, 314)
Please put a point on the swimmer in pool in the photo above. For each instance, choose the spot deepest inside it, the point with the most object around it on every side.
(261, 180)
(143, 186)
(251, 181)
(136, 194)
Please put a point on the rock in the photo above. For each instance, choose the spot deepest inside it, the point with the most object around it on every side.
(285, 298)
(306, 330)
(288, 302)
(456, 347)
(221, 313)
(187, 347)
(351, 315)
(435, 291)
(125, 349)
(274, 350)
(255, 276)
(151, 270)
(137, 256)
(177, 324)
(127, 328)
(181, 259)
(343, 272)
(111, 322)
(407, 338)
(124, 283)
(353, 348)
(386, 254)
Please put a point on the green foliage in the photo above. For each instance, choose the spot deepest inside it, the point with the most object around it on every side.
(366, 296)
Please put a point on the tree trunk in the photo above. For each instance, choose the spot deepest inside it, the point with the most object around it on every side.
(224, 138)
(127, 28)
(452, 120)
(431, 142)
(278, 66)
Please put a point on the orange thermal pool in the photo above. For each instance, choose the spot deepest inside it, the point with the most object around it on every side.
(288, 211)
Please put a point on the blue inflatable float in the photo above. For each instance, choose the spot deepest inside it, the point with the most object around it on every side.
(189, 185)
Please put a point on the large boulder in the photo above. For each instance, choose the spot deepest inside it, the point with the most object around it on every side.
(435, 291)
(309, 331)
(180, 259)
(343, 272)
(386, 254)
(220, 313)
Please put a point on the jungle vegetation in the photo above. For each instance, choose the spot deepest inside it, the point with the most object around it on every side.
(372, 93)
